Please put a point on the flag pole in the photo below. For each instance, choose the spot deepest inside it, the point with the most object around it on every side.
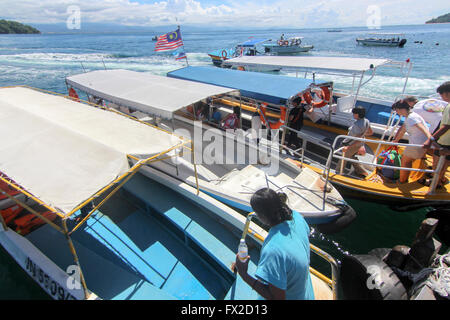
(184, 50)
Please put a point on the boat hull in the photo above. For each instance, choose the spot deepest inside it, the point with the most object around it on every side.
(275, 49)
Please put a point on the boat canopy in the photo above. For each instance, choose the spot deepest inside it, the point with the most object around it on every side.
(63, 152)
(311, 64)
(151, 94)
(262, 86)
(252, 42)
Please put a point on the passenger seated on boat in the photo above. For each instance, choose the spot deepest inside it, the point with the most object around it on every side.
(418, 132)
(232, 120)
(441, 137)
(429, 109)
(202, 111)
(283, 268)
(359, 129)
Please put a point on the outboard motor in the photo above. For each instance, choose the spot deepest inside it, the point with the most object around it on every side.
(402, 43)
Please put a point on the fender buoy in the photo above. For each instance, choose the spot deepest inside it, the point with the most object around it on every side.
(224, 54)
(325, 94)
(366, 277)
(272, 125)
(345, 219)
(73, 94)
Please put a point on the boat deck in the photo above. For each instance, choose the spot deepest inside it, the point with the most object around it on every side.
(150, 243)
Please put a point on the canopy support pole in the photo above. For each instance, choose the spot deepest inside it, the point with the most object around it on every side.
(75, 258)
(195, 168)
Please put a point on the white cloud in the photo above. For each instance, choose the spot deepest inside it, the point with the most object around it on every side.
(262, 13)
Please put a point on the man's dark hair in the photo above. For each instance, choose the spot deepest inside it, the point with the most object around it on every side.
(411, 99)
(360, 111)
(271, 205)
(443, 88)
(401, 104)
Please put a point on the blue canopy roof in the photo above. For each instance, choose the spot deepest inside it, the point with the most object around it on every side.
(262, 86)
(252, 42)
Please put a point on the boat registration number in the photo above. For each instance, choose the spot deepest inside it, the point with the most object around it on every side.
(55, 290)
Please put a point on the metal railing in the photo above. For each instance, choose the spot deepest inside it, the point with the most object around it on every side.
(334, 154)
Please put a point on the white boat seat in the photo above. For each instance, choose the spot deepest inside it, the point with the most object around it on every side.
(345, 104)
(250, 179)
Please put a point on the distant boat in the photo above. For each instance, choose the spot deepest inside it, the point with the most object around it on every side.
(246, 48)
(334, 30)
(383, 39)
(287, 46)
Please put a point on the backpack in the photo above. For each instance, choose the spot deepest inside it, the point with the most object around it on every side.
(390, 157)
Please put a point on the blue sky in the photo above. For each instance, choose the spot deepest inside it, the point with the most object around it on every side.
(237, 13)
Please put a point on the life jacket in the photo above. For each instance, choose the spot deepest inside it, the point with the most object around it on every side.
(9, 214)
(8, 189)
(27, 223)
(390, 157)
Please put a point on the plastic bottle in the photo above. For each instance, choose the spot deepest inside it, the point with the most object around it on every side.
(243, 251)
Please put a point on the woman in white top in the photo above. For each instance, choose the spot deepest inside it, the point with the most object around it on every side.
(418, 132)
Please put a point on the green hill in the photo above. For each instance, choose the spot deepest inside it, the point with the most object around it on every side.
(441, 19)
(16, 27)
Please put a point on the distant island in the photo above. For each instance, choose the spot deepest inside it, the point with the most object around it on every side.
(441, 19)
(14, 27)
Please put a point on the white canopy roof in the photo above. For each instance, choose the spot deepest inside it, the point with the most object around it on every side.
(342, 64)
(63, 151)
(156, 95)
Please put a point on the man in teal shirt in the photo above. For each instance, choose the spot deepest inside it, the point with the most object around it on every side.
(283, 269)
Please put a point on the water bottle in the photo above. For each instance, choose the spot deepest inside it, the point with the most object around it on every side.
(242, 251)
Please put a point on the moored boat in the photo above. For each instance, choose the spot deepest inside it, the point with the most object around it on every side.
(383, 40)
(146, 241)
(231, 177)
(250, 47)
(287, 46)
(319, 138)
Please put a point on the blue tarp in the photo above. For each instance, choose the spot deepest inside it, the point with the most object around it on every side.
(266, 87)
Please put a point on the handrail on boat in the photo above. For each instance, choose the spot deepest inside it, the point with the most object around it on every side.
(334, 155)
(332, 283)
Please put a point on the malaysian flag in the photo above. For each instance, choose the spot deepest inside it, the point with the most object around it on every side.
(169, 41)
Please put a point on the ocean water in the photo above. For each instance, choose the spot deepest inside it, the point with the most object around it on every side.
(43, 61)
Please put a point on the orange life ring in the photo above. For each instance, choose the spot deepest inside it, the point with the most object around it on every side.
(273, 125)
(241, 68)
(326, 98)
(73, 94)
(224, 54)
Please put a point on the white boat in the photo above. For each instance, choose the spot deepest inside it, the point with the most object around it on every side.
(232, 168)
(286, 46)
(359, 70)
(250, 47)
(145, 241)
(383, 40)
